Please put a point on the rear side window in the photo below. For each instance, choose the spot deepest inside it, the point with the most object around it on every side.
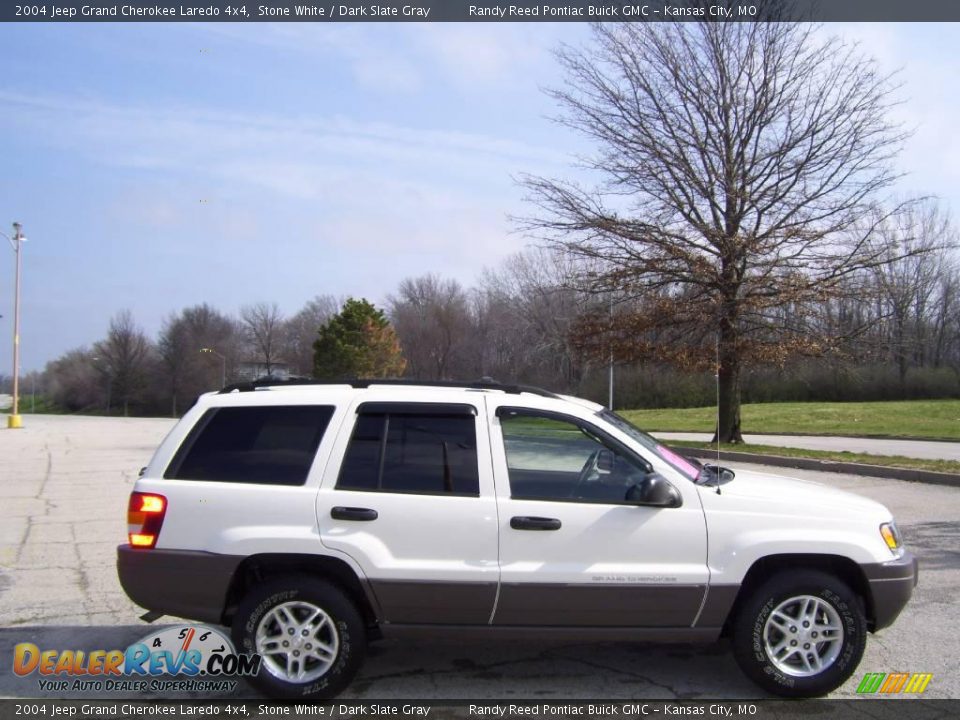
(427, 453)
(272, 445)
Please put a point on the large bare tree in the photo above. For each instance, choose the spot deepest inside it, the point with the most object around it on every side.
(736, 165)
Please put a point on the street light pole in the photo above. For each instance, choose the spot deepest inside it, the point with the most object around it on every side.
(223, 365)
(15, 421)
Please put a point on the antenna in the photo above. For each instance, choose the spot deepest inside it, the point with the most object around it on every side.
(717, 379)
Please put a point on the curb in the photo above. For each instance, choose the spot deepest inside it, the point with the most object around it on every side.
(880, 471)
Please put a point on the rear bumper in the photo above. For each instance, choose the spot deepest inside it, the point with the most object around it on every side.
(891, 585)
(182, 583)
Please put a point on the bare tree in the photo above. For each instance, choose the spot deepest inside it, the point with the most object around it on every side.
(300, 331)
(263, 325)
(71, 381)
(122, 359)
(523, 313)
(946, 321)
(916, 241)
(737, 164)
(431, 317)
(185, 370)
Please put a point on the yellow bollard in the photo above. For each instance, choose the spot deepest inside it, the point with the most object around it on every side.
(14, 421)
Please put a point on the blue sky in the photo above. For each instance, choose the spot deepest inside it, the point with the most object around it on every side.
(155, 166)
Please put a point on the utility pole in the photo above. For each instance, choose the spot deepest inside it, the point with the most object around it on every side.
(15, 421)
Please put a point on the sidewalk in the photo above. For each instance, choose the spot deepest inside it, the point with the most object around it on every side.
(924, 449)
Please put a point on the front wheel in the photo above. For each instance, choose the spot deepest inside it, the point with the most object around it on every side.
(801, 634)
(309, 635)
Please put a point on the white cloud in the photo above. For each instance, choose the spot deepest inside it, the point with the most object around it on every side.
(437, 195)
(406, 57)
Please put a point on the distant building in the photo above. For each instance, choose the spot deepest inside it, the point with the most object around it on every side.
(254, 370)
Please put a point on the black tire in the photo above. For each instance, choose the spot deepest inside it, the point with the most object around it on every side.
(344, 628)
(749, 646)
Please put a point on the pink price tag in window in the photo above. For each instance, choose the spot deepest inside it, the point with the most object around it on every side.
(678, 461)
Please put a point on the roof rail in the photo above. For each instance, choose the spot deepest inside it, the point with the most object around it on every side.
(482, 384)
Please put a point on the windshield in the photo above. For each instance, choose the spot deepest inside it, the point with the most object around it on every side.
(688, 468)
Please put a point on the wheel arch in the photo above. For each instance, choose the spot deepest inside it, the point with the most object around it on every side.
(258, 568)
(839, 566)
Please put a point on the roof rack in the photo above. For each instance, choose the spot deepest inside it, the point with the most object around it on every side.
(482, 384)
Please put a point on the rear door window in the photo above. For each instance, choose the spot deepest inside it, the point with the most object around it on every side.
(272, 445)
(408, 450)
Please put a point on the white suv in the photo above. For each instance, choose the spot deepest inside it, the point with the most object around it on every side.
(313, 517)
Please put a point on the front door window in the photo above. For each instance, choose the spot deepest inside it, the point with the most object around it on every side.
(551, 458)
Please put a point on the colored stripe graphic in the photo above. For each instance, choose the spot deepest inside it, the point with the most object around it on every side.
(918, 682)
(894, 682)
(871, 683)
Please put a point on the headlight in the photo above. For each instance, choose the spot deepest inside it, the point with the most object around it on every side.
(891, 536)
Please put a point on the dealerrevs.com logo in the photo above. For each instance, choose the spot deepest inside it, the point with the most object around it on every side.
(203, 655)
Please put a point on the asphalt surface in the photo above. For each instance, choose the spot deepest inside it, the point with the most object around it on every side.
(925, 449)
(64, 483)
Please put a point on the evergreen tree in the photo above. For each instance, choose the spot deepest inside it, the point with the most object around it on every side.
(357, 342)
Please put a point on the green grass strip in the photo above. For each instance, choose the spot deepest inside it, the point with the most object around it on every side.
(902, 419)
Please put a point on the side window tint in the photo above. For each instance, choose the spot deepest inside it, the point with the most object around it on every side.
(361, 465)
(266, 444)
(412, 453)
(553, 459)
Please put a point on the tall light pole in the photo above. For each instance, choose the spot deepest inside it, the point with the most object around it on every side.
(223, 365)
(15, 421)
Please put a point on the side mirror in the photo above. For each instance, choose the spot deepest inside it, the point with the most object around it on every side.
(715, 475)
(605, 461)
(655, 491)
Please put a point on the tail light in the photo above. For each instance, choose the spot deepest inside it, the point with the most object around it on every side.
(144, 518)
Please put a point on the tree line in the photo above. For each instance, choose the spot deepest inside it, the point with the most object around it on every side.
(894, 333)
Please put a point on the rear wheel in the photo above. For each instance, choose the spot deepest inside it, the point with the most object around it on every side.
(309, 635)
(800, 634)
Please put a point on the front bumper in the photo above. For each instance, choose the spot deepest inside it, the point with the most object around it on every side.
(891, 585)
(182, 583)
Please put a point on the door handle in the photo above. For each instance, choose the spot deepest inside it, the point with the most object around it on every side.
(353, 513)
(534, 523)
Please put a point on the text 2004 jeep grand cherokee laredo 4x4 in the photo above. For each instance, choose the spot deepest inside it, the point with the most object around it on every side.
(313, 517)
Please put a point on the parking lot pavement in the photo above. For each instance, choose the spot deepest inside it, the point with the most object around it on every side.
(64, 483)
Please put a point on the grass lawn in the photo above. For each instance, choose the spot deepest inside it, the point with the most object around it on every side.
(903, 419)
(944, 466)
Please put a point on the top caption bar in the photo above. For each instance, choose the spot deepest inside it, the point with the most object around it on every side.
(480, 11)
